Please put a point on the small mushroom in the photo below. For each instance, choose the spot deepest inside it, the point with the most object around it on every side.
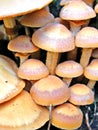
(55, 38)
(67, 116)
(50, 91)
(23, 47)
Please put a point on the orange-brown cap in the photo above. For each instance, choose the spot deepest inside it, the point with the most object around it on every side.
(67, 116)
(50, 90)
(77, 11)
(22, 44)
(87, 37)
(14, 8)
(80, 94)
(37, 19)
(21, 113)
(91, 71)
(69, 69)
(32, 69)
(10, 84)
(54, 37)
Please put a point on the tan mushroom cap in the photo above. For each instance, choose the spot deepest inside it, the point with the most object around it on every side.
(50, 90)
(21, 113)
(80, 94)
(69, 69)
(96, 8)
(67, 116)
(14, 8)
(91, 71)
(77, 11)
(22, 44)
(33, 69)
(87, 37)
(10, 83)
(37, 19)
(54, 37)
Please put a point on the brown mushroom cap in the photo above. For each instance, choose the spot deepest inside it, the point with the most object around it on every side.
(69, 69)
(10, 83)
(37, 19)
(77, 11)
(54, 37)
(67, 116)
(22, 44)
(33, 69)
(21, 113)
(91, 71)
(87, 37)
(14, 8)
(50, 90)
(80, 94)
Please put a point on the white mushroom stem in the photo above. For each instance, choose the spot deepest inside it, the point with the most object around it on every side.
(91, 84)
(22, 57)
(51, 61)
(10, 27)
(85, 56)
(67, 80)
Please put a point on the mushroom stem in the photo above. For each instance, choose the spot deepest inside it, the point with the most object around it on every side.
(50, 116)
(27, 31)
(86, 54)
(67, 80)
(51, 61)
(91, 84)
(10, 27)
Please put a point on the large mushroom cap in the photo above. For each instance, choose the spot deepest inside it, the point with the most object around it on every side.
(22, 44)
(80, 94)
(21, 113)
(54, 37)
(10, 83)
(38, 18)
(14, 8)
(87, 37)
(33, 69)
(67, 116)
(50, 90)
(77, 11)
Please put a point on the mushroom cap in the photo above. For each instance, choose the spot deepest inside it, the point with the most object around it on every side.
(54, 37)
(96, 8)
(10, 83)
(21, 113)
(50, 90)
(67, 116)
(91, 71)
(15, 8)
(22, 44)
(32, 69)
(80, 94)
(77, 11)
(38, 18)
(87, 37)
(69, 69)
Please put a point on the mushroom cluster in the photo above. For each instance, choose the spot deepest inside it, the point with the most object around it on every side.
(57, 68)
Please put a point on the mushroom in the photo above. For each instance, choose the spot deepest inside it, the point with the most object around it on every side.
(14, 8)
(50, 91)
(77, 13)
(10, 84)
(86, 38)
(81, 94)
(55, 38)
(23, 46)
(32, 69)
(67, 116)
(68, 70)
(21, 113)
(91, 73)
